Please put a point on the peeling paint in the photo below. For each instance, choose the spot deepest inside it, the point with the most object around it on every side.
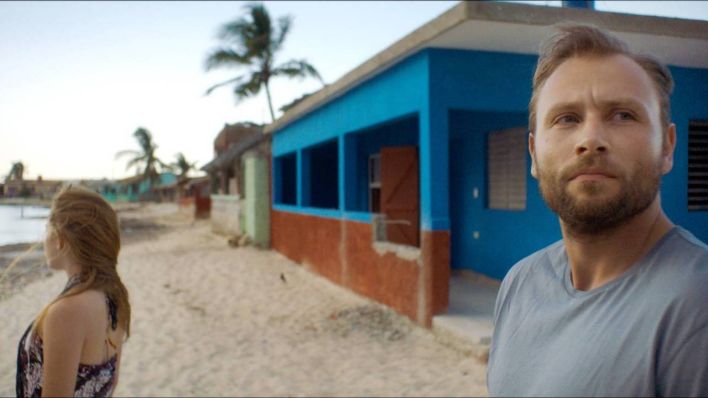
(409, 253)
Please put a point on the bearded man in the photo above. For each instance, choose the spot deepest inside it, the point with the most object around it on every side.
(619, 306)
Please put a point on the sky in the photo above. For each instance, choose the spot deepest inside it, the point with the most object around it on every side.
(78, 78)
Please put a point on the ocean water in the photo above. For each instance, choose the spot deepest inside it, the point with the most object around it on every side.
(20, 224)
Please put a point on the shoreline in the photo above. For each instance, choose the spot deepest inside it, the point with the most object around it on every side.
(33, 267)
(10, 247)
(26, 202)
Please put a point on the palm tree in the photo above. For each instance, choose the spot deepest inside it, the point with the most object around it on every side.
(182, 166)
(145, 158)
(253, 43)
(17, 170)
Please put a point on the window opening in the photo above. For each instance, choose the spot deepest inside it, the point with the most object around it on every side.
(375, 183)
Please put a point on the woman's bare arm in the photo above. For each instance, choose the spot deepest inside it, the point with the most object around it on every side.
(115, 379)
(63, 333)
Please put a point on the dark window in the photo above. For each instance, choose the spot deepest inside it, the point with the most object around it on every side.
(375, 183)
(286, 179)
(698, 165)
(324, 176)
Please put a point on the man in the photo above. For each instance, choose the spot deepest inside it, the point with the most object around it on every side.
(618, 307)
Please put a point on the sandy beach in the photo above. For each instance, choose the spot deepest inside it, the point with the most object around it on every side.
(210, 319)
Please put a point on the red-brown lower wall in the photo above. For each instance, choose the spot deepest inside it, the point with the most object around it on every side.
(386, 278)
(199, 207)
(343, 251)
(436, 259)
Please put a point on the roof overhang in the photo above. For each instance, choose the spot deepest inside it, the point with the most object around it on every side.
(518, 28)
(235, 150)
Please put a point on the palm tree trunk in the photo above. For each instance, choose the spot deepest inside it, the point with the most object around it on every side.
(270, 104)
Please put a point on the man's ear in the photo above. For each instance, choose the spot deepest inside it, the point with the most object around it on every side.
(667, 150)
(532, 151)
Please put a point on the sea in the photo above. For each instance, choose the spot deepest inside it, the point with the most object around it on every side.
(21, 224)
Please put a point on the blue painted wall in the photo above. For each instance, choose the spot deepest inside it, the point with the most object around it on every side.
(165, 179)
(688, 102)
(397, 94)
(131, 192)
(480, 80)
(478, 92)
(446, 102)
(399, 91)
(505, 236)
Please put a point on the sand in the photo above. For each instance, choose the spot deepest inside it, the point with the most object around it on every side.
(210, 319)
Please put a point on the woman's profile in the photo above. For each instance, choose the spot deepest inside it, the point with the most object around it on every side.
(73, 347)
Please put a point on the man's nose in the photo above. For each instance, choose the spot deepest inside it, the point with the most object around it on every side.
(591, 138)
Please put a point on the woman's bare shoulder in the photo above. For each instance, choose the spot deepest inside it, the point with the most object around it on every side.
(85, 305)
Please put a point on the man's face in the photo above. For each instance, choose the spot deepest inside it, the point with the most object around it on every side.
(597, 150)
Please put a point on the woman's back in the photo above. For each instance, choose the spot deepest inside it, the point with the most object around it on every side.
(90, 317)
(101, 332)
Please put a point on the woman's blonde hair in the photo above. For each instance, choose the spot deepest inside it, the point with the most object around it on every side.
(89, 228)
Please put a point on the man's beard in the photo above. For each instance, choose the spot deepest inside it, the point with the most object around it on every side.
(595, 217)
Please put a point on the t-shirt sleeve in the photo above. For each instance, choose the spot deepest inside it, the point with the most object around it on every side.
(501, 295)
(685, 374)
(682, 367)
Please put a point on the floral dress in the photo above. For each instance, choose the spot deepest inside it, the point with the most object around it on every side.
(91, 380)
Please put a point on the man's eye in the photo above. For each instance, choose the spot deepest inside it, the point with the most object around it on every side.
(622, 116)
(567, 119)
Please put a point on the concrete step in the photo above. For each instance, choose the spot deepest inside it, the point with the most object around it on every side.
(464, 332)
(467, 325)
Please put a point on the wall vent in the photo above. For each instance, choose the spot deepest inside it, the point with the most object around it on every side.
(698, 165)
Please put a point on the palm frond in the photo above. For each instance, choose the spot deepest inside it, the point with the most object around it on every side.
(235, 30)
(16, 171)
(224, 57)
(251, 36)
(182, 166)
(260, 40)
(230, 81)
(250, 88)
(284, 24)
(297, 68)
(135, 162)
(144, 139)
(120, 154)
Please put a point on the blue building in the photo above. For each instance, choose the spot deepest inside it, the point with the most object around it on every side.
(135, 188)
(416, 163)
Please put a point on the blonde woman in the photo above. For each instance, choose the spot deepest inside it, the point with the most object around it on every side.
(73, 347)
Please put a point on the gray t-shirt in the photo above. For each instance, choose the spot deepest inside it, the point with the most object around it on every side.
(642, 334)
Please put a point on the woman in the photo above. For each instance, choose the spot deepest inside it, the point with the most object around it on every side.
(73, 347)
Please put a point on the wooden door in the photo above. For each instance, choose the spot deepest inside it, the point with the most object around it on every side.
(399, 194)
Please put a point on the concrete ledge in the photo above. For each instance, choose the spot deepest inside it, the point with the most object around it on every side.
(404, 252)
(470, 336)
(467, 325)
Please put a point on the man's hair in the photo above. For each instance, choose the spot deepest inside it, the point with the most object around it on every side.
(579, 40)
